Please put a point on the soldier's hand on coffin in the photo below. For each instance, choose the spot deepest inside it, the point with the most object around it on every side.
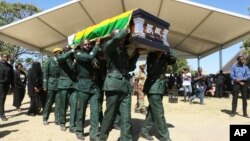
(97, 41)
(76, 48)
(66, 48)
(127, 29)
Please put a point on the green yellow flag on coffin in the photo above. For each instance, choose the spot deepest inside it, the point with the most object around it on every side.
(104, 28)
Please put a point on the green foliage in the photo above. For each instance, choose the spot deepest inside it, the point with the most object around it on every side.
(193, 72)
(246, 46)
(11, 12)
(178, 66)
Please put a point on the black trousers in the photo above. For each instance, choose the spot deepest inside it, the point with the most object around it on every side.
(18, 96)
(3, 92)
(34, 104)
(236, 89)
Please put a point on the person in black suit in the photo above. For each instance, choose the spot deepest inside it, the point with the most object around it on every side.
(20, 79)
(6, 79)
(35, 83)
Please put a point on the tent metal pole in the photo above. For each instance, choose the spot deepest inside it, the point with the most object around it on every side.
(198, 61)
(41, 52)
(220, 57)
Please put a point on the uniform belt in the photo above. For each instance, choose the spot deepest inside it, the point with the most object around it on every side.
(123, 73)
(113, 71)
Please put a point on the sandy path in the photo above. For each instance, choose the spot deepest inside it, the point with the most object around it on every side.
(188, 122)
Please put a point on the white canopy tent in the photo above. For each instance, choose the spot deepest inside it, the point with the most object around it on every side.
(196, 30)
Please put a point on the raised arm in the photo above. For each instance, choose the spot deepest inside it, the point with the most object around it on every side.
(63, 57)
(111, 44)
(133, 60)
(46, 75)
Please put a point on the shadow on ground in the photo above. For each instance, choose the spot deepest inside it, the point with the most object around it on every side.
(11, 110)
(226, 111)
(12, 123)
(137, 125)
(7, 132)
(18, 114)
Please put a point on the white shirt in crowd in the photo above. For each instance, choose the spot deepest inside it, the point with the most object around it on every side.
(186, 79)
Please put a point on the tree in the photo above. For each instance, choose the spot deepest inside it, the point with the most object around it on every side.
(11, 12)
(246, 46)
(178, 66)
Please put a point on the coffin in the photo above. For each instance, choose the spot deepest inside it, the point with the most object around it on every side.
(146, 30)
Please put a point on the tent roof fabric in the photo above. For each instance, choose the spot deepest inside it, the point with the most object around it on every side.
(195, 30)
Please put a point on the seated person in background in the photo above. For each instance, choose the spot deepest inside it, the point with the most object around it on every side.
(220, 79)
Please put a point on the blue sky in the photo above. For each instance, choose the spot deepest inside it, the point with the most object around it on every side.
(210, 63)
(42, 4)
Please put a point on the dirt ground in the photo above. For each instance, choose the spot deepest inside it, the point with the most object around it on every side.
(187, 122)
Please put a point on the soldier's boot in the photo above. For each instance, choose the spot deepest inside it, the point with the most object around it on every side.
(94, 139)
(116, 126)
(57, 123)
(45, 122)
(246, 115)
(62, 127)
(103, 137)
(71, 130)
(79, 136)
(166, 140)
(143, 111)
(3, 118)
(146, 136)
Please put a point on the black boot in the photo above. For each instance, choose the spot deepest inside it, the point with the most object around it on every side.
(146, 136)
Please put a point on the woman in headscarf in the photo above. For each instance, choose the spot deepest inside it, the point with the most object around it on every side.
(35, 83)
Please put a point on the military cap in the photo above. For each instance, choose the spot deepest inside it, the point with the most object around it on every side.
(56, 50)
